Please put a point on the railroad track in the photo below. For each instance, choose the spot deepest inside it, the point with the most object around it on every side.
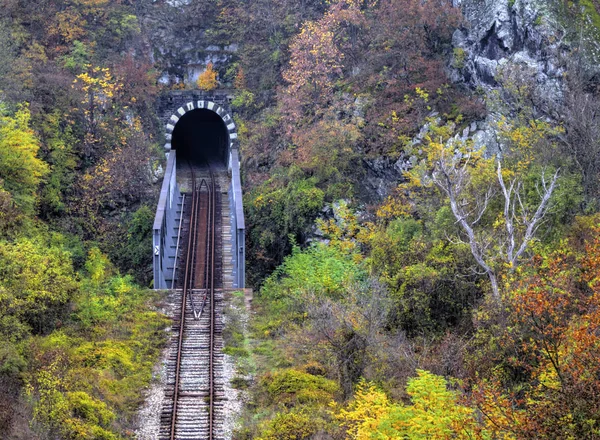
(195, 394)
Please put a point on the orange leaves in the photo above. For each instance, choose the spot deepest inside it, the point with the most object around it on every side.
(69, 26)
(500, 418)
(208, 79)
(554, 328)
(239, 81)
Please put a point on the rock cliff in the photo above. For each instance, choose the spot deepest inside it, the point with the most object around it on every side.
(536, 38)
(179, 33)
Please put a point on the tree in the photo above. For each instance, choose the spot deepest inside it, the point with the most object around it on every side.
(37, 282)
(9, 214)
(418, 265)
(551, 337)
(99, 90)
(208, 79)
(347, 331)
(407, 42)
(467, 179)
(283, 206)
(316, 60)
(20, 168)
(119, 178)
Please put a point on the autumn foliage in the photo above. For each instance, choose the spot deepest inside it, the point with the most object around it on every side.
(208, 79)
(374, 230)
(552, 337)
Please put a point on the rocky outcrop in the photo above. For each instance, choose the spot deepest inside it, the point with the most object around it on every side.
(499, 33)
(501, 36)
(381, 177)
(179, 35)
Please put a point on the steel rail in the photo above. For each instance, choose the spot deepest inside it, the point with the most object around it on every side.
(208, 284)
(212, 309)
(184, 294)
(187, 288)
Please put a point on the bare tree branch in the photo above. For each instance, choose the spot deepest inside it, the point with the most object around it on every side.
(452, 174)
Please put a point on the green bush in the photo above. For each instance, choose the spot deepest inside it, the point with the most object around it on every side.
(295, 425)
(419, 270)
(36, 283)
(284, 206)
(291, 388)
(320, 269)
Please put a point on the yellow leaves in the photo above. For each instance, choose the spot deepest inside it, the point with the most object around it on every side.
(98, 84)
(524, 140)
(69, 25)
(369, 406)
(208, 79)
(92, 3)
(260, 201)
(20, 168)
(422, 93)
(343, 230)
(100, 90)
(548, 378)
(435, 412)
(397, 204)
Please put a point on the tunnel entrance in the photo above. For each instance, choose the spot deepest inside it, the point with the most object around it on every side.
(201, 137)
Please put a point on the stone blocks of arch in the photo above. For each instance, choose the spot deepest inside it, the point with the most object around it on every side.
(208, 105)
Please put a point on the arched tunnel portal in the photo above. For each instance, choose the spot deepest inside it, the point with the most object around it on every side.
(201, 130)
(200, 136)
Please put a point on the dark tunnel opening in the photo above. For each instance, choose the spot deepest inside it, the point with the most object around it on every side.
(201, 137)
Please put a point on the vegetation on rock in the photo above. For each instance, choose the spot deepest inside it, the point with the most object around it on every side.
(463, 303)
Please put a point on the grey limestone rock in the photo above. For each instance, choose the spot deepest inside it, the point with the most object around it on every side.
(500, 35)
(181, 46)
(500, 32)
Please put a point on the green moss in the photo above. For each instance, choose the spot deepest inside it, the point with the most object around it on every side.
(236, 351)
(240, 383)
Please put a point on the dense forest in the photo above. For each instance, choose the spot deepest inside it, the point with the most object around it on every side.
(422, 193)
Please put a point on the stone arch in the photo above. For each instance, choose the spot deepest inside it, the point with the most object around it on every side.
(208, 105)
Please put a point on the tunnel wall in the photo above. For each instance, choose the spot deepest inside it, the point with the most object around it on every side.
(200, 136)
(166, 228)
(236, 208)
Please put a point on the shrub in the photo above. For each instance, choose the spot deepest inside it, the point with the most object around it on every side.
(295, 425)
(292, 388)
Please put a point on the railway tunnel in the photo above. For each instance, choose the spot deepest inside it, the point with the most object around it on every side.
(199, 254)
(201, 136)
